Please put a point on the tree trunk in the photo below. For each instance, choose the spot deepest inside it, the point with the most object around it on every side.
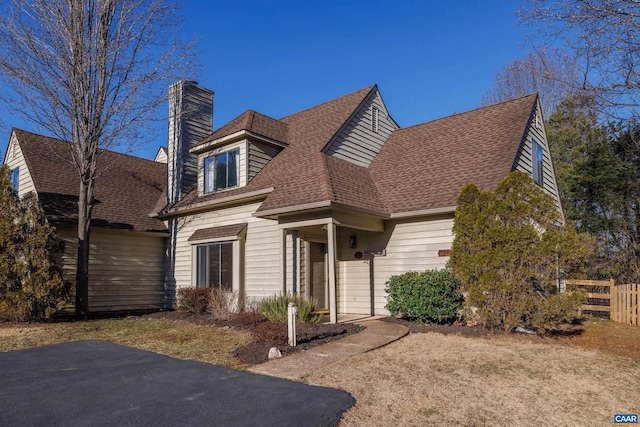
(85, 204)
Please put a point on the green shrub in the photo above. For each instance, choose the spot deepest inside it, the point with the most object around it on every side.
(275, 308)
(193, 300)
(558, 309)
(507, 252)
(429, 296)
(31, 285)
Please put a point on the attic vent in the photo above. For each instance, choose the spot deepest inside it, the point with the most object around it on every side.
(536, 120)
(375, 114)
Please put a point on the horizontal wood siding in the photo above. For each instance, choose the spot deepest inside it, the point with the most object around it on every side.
(357, 142)
(126, 271)
(260, 154)
(261, 248)
(190, 120)
(15, 159)
(524, 160)
(410, 246)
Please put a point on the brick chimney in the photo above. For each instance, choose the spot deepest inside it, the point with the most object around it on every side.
(190, 121)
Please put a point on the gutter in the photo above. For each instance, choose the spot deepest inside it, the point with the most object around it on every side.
(423, 212)
(206, 205)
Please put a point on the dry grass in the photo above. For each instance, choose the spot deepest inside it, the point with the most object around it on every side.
(612, 337)
(176, 339)
(432, 379)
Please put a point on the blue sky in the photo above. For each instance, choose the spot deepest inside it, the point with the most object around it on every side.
(429, 58)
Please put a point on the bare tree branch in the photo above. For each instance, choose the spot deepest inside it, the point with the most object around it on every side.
(93, 73)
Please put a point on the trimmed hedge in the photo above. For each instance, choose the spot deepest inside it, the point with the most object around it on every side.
(429, 296)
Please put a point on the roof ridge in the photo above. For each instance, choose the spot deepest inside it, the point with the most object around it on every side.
(368, 88)
(473, 110)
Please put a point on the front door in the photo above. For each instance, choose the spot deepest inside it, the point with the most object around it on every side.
(318, 283)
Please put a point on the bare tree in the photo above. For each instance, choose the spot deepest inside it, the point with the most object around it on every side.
(604, 38)
(550, 74)
(91, 72)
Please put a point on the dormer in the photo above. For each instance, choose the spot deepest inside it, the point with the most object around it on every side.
(234, 154)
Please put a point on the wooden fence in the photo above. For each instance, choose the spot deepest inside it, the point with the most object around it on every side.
(620, 303)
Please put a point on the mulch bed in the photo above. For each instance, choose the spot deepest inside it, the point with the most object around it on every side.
(308, 334)
(453, 329)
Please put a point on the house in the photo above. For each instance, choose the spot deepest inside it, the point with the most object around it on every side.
(328, 202)
(127, 245)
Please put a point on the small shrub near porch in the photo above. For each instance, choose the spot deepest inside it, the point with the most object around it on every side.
(428, 296)
(275, 308)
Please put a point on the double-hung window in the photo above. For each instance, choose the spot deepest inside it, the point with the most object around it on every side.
(214, 267)
(537, 157)
(221, 171)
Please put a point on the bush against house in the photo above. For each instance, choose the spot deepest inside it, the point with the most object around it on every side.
(509, 252)
(31, 287)
(428, 296)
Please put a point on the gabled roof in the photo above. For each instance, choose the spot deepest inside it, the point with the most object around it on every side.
(425, 166)
(126, 191)
(253, 122)
(299, 174)
(420, 168)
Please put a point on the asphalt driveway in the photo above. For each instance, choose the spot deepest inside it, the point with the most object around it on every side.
(92, 383)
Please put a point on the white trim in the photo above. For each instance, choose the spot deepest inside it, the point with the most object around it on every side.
(283, 261)
(198, 149)
(306, 223)
(215, 240)
(331, 254)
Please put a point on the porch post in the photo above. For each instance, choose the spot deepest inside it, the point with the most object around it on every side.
(331, 254)
(283, 260)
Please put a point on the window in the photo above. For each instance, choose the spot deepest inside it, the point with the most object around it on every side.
(221, 171)
(214, 265)
(375, 116)
(537, 162)
(15, 179)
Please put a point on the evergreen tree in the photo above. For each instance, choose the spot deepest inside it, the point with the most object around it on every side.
(31, 287)
(508, 253)
(603, 193)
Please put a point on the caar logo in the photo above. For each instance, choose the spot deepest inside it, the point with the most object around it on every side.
(625, 418)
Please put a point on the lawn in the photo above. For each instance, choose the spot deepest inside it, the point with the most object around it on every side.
(176, 339)
(425, 378)
(433, 379)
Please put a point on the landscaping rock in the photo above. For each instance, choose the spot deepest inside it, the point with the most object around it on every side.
(274, 353)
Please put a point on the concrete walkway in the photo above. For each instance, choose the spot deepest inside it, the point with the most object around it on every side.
(294, 367)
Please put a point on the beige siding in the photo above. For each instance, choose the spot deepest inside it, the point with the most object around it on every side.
(524, 160)
(14, 159)
(410, 245)
(261, 249)
(126, 270)
(356, 142)
(260, 154)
